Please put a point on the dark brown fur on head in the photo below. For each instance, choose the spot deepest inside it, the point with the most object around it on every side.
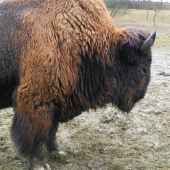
(133, 69)
(63, 57)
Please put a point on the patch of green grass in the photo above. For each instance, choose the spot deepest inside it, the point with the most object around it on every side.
(162, 39)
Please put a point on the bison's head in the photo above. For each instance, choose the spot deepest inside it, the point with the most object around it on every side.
(133, 61)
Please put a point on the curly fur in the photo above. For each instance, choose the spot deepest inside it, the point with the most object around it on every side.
(61, 57)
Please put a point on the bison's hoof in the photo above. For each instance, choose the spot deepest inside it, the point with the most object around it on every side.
(53, 146)
(62, 153)
(45, 167)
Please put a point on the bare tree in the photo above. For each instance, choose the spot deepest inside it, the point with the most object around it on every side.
(148, 6)
(156, 12)
(126, 6)
(115, 8)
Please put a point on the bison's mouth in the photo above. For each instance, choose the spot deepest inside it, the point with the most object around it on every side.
(125, 108)
(127, 104)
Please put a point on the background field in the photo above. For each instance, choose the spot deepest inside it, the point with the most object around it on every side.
(108, 139)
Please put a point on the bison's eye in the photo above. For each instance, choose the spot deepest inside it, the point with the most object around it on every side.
(129, 55)
(133, 58)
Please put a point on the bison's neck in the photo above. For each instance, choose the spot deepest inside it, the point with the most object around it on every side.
(95, 88)
(96, 82)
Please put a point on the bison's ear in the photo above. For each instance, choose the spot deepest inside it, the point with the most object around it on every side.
(148, 43)
(126, 49)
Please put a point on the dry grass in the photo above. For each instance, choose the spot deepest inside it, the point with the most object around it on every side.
(138, 18)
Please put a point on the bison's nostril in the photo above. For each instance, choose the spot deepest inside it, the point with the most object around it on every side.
(144, 70)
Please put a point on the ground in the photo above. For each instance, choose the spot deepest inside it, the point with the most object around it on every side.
(109, 139)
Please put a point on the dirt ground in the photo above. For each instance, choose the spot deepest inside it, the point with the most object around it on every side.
(109, 139)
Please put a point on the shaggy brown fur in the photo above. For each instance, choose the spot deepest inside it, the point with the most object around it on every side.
(73, 28)
(67, 57)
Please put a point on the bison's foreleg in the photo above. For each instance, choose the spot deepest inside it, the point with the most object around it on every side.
(51, 143)
(37, 160)
(30, 129)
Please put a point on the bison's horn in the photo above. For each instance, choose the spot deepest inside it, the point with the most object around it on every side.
(148, 43)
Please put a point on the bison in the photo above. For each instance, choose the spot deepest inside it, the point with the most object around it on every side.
(59, 58)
